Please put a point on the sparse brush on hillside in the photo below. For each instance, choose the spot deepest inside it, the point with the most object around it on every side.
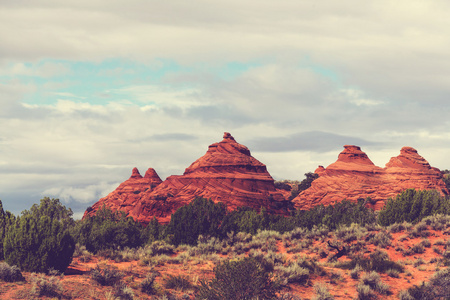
(437, 288)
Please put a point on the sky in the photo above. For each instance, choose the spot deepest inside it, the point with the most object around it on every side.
(91, 89)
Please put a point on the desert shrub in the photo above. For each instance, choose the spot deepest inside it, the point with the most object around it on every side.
(82, 254)
(404, 295)
(355, 272)
(10, 273)
(293, 273)
(39, 239)
(160, 247)
(393, 273)
(373, 280)
(200, 217)
(350, 233)
(418, 262)
(108, 230)
(122, 292)
(106, 275)
(418, 248)
(438, 221)
(42, 285)
(321, 292)
(420, 230)
(148, 285)
(412, 206)
(238, 279)
(178, 282)
(377, 261)
(437, 288)
(364, 292)
(382, 239)
(439, 242)
(288, 296)
(426, 243)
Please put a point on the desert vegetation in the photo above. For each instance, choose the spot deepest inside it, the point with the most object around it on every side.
(345, 251)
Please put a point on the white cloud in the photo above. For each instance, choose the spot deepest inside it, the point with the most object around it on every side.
(377, 72)
(83, 194)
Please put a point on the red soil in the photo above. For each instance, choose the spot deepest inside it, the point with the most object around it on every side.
(78, 284)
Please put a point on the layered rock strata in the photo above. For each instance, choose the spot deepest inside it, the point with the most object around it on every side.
(354, 176)
(226, 173)
(128, 193)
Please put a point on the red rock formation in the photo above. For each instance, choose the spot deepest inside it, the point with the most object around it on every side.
(354, 176)
(125, 196)
(226, 173)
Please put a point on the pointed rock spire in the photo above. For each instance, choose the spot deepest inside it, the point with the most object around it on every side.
(135, 174)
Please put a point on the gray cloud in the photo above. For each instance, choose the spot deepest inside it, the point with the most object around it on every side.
(315, 141)
(319, 75)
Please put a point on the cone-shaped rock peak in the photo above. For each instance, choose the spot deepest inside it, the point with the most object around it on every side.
(354, 176)
(226, 173)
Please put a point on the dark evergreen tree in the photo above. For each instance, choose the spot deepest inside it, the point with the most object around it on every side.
(39, 240)
(108, 230)
(304, 184)
(201, 216)
(6, 219)
(333, 216)
(412, 206)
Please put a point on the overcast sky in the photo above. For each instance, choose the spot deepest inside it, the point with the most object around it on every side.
(91, 89)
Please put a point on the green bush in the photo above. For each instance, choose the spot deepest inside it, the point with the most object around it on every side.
(6, 219)
(322, 292)
(377, 261)
(437, 288)
(10, 273)
(238, 279)
(109, 230)
(106, 276)
(39, 240)
(200, 217)
(179, 282)
(334, 216)
(42, 285)
(148, 285)
(122, 292)
(412, 206)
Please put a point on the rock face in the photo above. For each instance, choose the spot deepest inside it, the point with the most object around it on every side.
(226, 173)
(354, 176)
(125, 196)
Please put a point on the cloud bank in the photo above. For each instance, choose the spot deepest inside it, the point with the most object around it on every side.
(91, 89)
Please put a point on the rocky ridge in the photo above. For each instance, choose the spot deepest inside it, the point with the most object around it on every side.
(128, 193)
(226, 173)
(354, 176)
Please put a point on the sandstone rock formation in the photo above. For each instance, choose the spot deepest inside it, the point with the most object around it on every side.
(125, 196)
(226, 173)
(354, 176)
